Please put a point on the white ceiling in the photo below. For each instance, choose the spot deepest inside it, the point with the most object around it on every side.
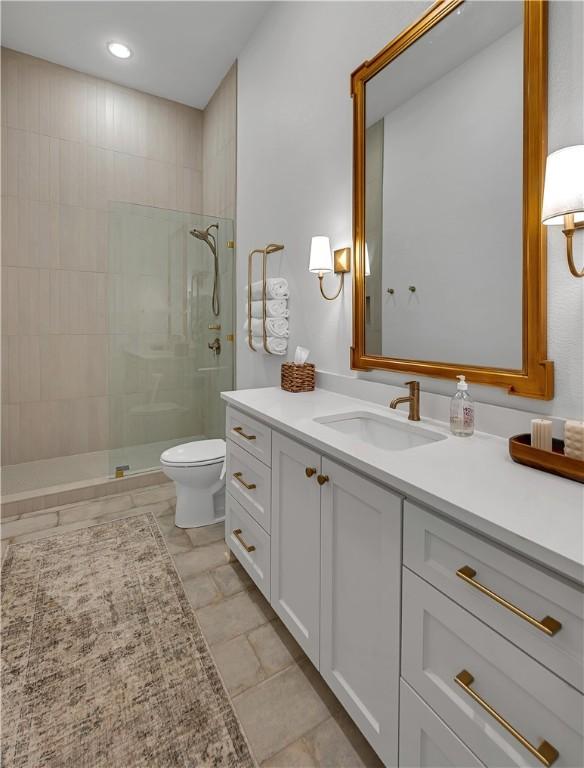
(182, 50)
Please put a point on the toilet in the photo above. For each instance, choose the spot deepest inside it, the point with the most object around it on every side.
(197, 471)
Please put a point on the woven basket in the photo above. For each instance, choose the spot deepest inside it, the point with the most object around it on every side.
(298, 377)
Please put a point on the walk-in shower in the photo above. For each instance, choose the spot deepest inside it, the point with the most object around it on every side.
(168, 317)
(171, 325)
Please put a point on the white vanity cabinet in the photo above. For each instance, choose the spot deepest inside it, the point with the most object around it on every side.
(295, 561)
(457, 651)
(336, 563)
(334, 540)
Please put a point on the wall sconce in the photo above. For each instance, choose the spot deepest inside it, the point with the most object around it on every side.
(322, 262)
(563, 196)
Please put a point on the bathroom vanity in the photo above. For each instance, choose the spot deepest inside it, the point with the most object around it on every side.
(436, 586)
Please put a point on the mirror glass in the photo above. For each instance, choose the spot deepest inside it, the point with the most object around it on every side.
(444, 193)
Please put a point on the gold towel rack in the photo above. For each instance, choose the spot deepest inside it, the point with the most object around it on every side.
(270, 248)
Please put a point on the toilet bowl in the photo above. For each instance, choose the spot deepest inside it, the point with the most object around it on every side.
(196, 469)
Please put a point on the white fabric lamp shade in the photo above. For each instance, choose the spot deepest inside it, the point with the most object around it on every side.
(367, 262)
(564, 185)
(321, 258)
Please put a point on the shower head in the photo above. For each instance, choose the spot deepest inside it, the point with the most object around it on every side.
(204, 234)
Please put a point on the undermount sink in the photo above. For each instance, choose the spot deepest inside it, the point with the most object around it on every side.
(380, 432)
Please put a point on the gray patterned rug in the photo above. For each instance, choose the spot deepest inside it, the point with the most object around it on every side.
(103, 662)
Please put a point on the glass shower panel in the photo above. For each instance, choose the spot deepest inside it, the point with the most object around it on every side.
(170, 355)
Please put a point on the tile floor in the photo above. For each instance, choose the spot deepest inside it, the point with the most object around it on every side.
(291, 718)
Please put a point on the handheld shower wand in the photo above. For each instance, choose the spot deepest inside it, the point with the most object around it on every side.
(211, 240)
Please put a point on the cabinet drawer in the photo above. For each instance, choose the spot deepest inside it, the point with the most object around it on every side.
(249, 543)
(249, 481)
(250, 434)
(437, 550)
(424, 740)
(441, 641)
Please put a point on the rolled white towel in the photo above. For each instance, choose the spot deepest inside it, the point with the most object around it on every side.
(276, 346)
(276, 288)
(274, 308)
(275, 326)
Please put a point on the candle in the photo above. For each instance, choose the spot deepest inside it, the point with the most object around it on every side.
(574, 439)
(541, 434)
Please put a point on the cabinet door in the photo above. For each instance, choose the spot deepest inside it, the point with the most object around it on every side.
(360, 602)
(295, 556)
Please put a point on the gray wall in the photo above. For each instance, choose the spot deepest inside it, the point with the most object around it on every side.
(295, 176)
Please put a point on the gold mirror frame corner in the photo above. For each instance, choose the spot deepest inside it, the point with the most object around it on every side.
(536, 377)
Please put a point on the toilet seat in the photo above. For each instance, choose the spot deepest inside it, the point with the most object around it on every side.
(200, 453)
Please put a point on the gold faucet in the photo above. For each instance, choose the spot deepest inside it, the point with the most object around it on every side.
(413, 399)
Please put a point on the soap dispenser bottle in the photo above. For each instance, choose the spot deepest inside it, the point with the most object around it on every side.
(462, 410)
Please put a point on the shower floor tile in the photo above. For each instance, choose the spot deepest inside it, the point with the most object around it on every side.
(83, 467)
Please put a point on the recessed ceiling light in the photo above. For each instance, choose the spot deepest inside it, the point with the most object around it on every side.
(119, 50)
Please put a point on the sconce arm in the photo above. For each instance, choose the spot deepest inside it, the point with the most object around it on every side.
(569, 228)
(338, 293)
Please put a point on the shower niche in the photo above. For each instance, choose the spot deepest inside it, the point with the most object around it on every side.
(171, 319)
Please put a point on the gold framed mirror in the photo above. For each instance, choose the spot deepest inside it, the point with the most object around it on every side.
(449, 148)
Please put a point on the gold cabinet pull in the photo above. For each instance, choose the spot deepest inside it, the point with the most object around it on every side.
(545, 753)
(239, 478)
(322, 479)
(547, 625)
(240, 431)
(310, 471)
(248, 547)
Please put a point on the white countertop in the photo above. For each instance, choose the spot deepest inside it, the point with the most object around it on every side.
(473, 479)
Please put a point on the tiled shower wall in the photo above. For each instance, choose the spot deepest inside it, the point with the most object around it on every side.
(219, 147)
(70, 144)
(219, 167)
